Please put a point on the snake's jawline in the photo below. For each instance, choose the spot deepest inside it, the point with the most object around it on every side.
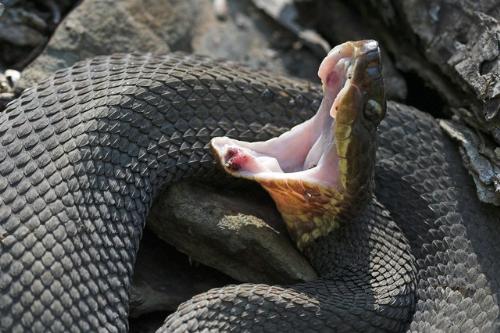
(309, 210)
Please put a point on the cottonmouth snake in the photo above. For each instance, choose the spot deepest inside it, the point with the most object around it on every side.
(83, 154)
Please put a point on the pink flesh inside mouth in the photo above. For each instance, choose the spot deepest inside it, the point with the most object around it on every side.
(307, 152)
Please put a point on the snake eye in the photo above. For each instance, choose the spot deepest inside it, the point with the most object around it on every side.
(373, 110)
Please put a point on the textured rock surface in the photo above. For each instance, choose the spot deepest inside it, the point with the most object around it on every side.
(21, 28)
(25, 27)
(163, 278)
(477, 156)
(455, 47)
(98, 27)
(239, 235)
(286, 13)
(248, 36)
(101, 27)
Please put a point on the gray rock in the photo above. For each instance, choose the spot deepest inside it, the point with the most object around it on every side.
(248, 36)
(478, 153)
(21, 28)
(164, 278)
(285, 12)
(25, 28)
(101, 27)
(454, 47)
(239, 235)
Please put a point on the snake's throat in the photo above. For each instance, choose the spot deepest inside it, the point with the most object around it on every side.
(306, 170)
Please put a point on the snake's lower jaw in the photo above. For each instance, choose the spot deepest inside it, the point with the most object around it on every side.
(313, 170)
(299, 169)
(305, 203)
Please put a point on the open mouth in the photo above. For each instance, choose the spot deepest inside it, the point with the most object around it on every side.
(308, 151)
(324, 166)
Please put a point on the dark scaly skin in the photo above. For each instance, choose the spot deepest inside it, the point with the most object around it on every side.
(83, 155)
(454, 237)
(350, 296)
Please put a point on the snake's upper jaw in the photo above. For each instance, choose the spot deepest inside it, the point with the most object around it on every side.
(304, 153)
(315, 170)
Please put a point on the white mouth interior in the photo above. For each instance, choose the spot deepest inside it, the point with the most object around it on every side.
(306, 152)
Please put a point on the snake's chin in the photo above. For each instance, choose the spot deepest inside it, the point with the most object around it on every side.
(307, 152)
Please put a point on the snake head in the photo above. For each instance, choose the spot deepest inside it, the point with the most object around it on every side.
(321, 170)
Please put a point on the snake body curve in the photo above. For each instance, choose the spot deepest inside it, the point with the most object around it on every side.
(83, 154)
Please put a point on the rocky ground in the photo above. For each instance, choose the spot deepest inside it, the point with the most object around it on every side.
(441, 56)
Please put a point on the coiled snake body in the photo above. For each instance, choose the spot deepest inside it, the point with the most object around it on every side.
(83, 154)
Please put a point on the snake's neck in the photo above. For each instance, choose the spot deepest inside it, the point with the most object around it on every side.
(311, 210)
(334, 251)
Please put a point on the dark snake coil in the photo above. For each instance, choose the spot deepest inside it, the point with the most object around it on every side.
(83, 154)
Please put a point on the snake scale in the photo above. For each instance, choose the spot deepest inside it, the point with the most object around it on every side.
(83, 154)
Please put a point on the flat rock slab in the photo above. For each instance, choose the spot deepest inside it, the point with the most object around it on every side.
(237, 234)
